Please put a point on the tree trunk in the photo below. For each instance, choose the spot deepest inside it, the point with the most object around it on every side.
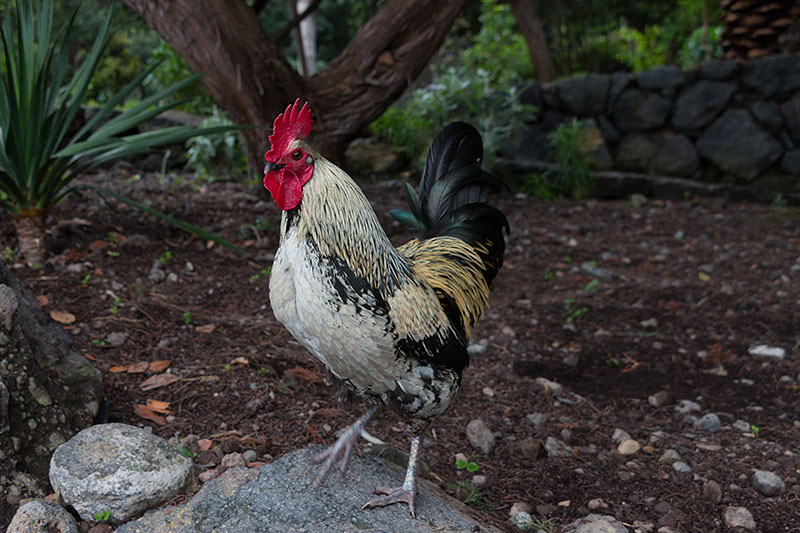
(252, 81)
(753, 28)
(531, 27)
(31, 236)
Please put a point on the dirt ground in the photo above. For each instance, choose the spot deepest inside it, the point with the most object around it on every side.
(613, 302)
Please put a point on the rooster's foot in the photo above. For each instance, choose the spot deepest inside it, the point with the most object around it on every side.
(343, 448)
(404, 494)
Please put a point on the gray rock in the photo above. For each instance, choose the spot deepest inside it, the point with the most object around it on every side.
(665, 79)
(738, 517)
(480, 436)
(44, 516)
(765, 350)
(659, 399)
(8, 306)
(595, 523)
(596, 272)
(584, 96)
(637, 110)
(669, 456)
(522, 520)
(518, 507)
(628, 447)
(680, 466)
(685, 407)
(593, 146)
(675, 156)
(720, 70)
(532, 143)
(537, 419)
(738, 145)
(635, 152)
(610, 132)
(549, 387)
(708, 422)
(768, 114)
(767, 483)
(476, 348)
(620, 435)
(556, 448)
(700, 103)
(773, 76)
(791, 114)
(118, 468)
(117, 338)
(281, 497)
(619, 81)
(742, 426)
(712, 492)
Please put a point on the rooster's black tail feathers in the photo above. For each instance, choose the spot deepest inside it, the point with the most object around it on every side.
(453, 194)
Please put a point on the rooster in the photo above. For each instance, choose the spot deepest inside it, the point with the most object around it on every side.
(391, 323)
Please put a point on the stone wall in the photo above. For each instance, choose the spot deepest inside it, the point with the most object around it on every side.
(723, 122)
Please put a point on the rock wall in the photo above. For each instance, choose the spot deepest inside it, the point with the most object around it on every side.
(723, 122)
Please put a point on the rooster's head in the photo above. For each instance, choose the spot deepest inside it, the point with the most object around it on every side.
(289, 165)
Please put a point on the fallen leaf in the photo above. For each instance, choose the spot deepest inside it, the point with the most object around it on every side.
(138, 368)
(62, 317)
(117, 369)
(90, 357)
(158, 406)
(158, 380)
(148, 414)
(204, 444)
(240, 361)
(159, 366)
(304, 374)
(208, 328)
(43, 300)
(98, 245)
(703, 276)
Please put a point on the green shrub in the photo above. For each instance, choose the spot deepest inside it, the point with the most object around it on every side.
(170, 68)
(567, 143)
(220, 151)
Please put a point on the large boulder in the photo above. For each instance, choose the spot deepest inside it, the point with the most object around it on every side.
(773, 76)
(47, 393)
(701, 102)
(664, 79)
(281, 497)
(637, 110)
(736, 144)
(583, 96)
(42, 515)
(118, 468)
(675, 156)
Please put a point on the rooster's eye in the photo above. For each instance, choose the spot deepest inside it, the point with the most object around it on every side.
(297, 155)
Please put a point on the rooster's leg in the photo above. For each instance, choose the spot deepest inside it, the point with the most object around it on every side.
(343, 447)
(407, 492)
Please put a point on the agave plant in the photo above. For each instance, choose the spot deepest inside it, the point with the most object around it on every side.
(40, 98)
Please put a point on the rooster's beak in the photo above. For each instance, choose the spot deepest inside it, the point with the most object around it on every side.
(270, 166)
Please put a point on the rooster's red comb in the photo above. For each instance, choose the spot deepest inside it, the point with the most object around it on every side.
(294, 123)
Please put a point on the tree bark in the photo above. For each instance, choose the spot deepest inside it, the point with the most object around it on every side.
(531, 27)
(31, 236)
(252, 81)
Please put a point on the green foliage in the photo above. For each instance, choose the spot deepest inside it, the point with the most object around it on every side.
(168, 69)
(187, 318)
(186, 452)
(117, 67)
(456, 94)
(39, 154)
(468, 493)
(572, 313)
(568, 144)
(469, 466)
(222, 151)
(102, 516)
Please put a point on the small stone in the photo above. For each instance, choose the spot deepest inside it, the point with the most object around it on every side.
(461, 457)
(157, 275)
(712, 491)
(738, 517)
(597, 503)
(480, 436)
(249, 456)
(680, 466)
(764, 350)
(480, 481)
(659, 399)
(628, 447)
(669, 456)
(172, 277)
(709, 422)
(649, 323)
(522, 520)
(663, 507)
(742, 426)
(475, 348)
(556, 448)
(117, 338)
(550, 387)
(519, 507)
(488, 392)
(537, 419)
(207, 475)
(767, 483)
(620, 435)
(527, 448)
(42, 515)
(685, 407)
(624, 475)
(595, 523)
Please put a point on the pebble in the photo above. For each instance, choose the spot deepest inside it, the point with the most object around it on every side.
(597, 503)
(659, 399)
(172, 277)
(669, 456)
(480, 436)
(764, 350)
(596, 272)
(475, 348)
(232, 460)
(487, 391)
(550, 387)
(527, 448)
(536, 419)
(680, 466)
(207, 475)
(629, 447)
(649, 323)
(556, 448)
(624, 475)
(480, 481)
(738, 517)
(767, 483)
(249, 456)
(519, 507)
(117, 338)
(712, 491)
(620, 435)
(522, 520)
(742, 426)
(708, 422)
(685, 407)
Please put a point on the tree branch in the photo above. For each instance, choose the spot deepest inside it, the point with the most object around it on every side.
(296, 19)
